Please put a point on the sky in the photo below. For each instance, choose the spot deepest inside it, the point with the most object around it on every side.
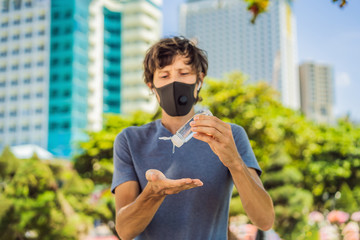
(326, 34)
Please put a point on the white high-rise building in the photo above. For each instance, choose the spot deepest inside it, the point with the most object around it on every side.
(266, 50)
(24, 72)
(317, 94)
(120, 34)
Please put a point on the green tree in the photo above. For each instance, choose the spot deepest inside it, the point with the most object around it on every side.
(37, 200)
(96, 160)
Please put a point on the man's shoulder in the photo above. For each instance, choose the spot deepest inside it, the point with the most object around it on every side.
(138, 131)
(237, 129)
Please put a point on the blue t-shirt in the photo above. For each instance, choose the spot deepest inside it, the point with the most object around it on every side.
(199, 213)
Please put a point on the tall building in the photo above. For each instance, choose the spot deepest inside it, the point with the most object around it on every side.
(24, 72)
(68, 89)
(120, 34)
(266, 50)
(317, 95)
(65, 63)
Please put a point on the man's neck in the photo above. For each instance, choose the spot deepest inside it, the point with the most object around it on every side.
(174, 123)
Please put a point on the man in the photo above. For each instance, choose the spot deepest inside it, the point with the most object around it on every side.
(183, 195)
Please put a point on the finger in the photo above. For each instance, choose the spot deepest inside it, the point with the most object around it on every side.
(208, 131)
(205, 138)
(154, 175)
(182, 182)
(175, 190)
(202, 120)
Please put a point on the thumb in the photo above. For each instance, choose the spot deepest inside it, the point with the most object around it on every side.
(154, 175)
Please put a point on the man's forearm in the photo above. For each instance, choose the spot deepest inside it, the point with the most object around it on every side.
(132, 219)
(256, 201)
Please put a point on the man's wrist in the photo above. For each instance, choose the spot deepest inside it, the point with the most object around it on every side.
(237, 165)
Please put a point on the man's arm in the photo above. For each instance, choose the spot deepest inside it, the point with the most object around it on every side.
(135, 210)
(256, 201)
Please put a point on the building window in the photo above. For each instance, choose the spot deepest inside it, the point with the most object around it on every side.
(4, 39)
(2, 68)
(68, 30)
(2, 99)
(54, 93)
(2, 114)
(13, 98)
(17, 4)
(12, 129)
(5, 6)
(38, 110)
(38, 126)
(54, 46)
(67, 61)
(3, 53)
(28, 35)
(2, 84)
(28, 19)
(54, 78)
(27, 65)
(67, 93)
(67, 77)
(5, 24)
(53, 126)
(41, 17)
(56, 15)
(16, 21)
(66, 125)
(41, 32)
(26, 96)
(40, 63)
(14, 82)
(67, 46)
(41, 47)
(28, 4)
(40, 79)
(15, 67)
(28, 50)
(15, 51)
(39, 94)
(25, 128)
(68, 14)
(13, 113)
(54, 62)
(27, 80)
(55, 31)
(66, 109)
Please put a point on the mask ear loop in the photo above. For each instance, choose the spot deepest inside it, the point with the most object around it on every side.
(199, 87)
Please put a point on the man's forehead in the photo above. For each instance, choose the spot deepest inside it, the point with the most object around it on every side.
(179, 62)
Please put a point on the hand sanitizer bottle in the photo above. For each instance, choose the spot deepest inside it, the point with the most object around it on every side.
(184, 134)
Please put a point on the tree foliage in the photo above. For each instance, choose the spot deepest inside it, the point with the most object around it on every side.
(42, 200)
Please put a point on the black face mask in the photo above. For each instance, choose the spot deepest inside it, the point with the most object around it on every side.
(177, 98)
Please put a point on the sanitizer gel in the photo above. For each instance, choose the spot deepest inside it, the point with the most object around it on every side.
(184, 134)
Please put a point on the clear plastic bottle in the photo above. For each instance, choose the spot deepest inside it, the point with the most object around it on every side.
(184, 134)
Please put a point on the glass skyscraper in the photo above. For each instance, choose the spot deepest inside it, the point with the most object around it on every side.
(121, 31)
(24, 72)
(266, 50)
(68, 75)
(63, 64)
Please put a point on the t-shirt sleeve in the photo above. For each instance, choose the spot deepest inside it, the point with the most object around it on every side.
(244, 148)
(123, 165)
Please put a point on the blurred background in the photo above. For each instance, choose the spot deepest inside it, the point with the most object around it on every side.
(71, 80)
